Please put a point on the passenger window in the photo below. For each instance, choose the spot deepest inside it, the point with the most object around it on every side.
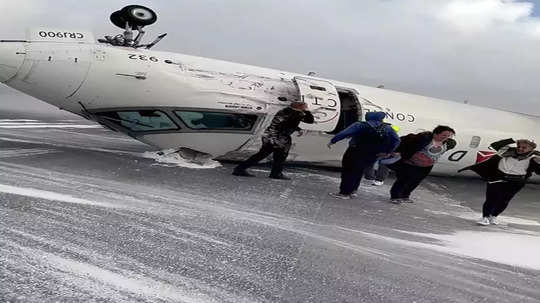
(141, 120)
(475, 142)
(215, 120)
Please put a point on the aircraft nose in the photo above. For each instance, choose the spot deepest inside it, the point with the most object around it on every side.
(11, 58)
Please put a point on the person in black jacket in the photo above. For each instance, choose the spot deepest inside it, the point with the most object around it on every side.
(419, 152)
(506, 173)
(277, 139)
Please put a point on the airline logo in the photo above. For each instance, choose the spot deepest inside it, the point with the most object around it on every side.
(483, 155)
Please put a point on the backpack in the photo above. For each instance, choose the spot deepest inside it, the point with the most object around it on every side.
(380, 134)
(376, 137)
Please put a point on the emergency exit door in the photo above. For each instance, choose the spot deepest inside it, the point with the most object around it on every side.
(323, 101)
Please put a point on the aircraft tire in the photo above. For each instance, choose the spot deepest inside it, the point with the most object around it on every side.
(118, 19)
(138, 15)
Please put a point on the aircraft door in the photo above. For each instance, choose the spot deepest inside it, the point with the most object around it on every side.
(323, 101)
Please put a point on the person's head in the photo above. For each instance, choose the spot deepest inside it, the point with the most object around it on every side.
(375, 116)
(525, 146)
(442, 133)
(299, 106)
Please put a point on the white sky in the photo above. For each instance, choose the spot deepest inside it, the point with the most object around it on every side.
(484, 51)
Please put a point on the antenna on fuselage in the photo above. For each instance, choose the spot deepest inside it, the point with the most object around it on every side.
(130, 18)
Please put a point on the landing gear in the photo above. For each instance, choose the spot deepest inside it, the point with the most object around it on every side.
(132, 17)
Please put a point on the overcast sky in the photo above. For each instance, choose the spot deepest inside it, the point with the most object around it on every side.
(484, 51)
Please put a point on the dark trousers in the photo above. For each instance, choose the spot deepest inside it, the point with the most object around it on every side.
(378, 174)
(279, 156)
(408, 177)
(498, 195)
(353, 165)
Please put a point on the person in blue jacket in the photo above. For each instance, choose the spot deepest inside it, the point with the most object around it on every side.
(370, 140)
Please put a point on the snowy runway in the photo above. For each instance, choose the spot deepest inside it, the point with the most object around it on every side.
(86, 217)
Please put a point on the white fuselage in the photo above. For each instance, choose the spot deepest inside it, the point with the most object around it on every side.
(114, 85)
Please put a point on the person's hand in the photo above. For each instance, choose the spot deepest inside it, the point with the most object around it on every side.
(537, 159)
(329, 145)
(394, 154)
(382, 155)
(300, 133)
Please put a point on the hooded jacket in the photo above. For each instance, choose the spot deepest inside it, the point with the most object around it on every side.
(489, 169)
(372, 136)
(284, 123)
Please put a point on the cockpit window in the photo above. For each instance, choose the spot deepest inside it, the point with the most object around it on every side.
(140, 120)
(219, 121)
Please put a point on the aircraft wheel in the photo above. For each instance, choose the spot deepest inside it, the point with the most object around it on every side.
(138, 15)
(118, 19)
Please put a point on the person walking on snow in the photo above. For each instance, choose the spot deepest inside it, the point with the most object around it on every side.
(506, 173)
(277, 140)
(419, 152)
(369, 140)
(377, 173)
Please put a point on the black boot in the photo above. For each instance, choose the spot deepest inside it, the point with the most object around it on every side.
(241, 172)
(279, 177)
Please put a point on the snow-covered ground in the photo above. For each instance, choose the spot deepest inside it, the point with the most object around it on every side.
(87, 215)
